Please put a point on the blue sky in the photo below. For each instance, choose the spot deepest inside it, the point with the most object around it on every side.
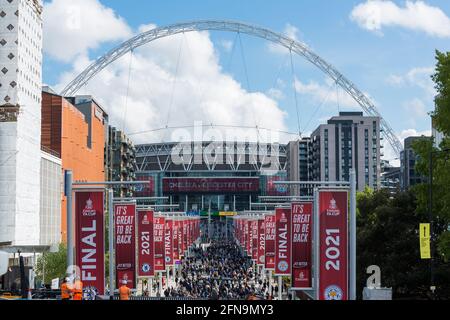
(391, 62)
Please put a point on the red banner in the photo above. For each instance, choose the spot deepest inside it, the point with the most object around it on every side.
(189, 232)
(283, 242)
(146, 245)
(255, 242)
(301, 245)
(176, 251)
(168, 242)
(124, 215)
(210, 185)
(180, 238)
(185, 237)
(158, 234)
(273, 189)
(89, 213)
(248, 237)
(333, 215)
(145, 189)
(261, 242)
(269, 221)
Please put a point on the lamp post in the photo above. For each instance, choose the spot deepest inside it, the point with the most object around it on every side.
(430, 215)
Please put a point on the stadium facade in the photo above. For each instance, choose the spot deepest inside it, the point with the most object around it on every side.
(211, 177)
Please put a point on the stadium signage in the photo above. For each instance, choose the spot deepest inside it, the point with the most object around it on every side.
(90, 238)
(168, 242)
(269, 222)
(333, 244)
(210, 185)
(261, 242)
(124, 223)
(158, 233)
(283, 241)
(146, 245)
(301, 245)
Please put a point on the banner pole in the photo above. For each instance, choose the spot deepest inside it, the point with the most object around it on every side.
(280, 288)
(111, 242)
(151, 287)
(352, 234)
(161, 291)
(167, 272)
(68, 193)
(316, 242)
(269, 276)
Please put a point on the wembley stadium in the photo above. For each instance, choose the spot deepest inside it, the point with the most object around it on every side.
(214, 178)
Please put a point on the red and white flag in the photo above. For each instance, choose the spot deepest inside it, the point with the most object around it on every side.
(333, 245)
(89, 232)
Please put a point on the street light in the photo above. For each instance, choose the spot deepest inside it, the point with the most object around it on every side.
(430, 215)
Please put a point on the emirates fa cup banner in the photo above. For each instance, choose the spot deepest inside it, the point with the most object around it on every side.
(175, 241)
(333, 228)
(283, 242)
(89, 217)
(255, 240)
(168, 243)
(185, 237)
(124, 215)
(180, 239)
(301, 245)
(261, 242)
(158, 234)
(146, 246)
(269, 223)
(248, 237)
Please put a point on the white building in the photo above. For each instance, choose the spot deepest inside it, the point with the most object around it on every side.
(20, 121)
(50, 208)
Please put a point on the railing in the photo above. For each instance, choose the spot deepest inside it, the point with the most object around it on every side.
(51, 152)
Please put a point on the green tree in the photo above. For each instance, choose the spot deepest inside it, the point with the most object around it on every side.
(52, 265)
(387, 236)
(441, 161)
(441, 78)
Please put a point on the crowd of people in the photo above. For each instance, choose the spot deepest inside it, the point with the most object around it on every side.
(218, 271)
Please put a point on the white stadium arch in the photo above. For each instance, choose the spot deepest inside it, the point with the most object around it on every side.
(238, 27)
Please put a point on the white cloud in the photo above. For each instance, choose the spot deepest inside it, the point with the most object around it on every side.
(373, 15)
(146, 27)
(292, 32)
(199, 91)
(227, 45)
(326, 94)
(389, 153)
(289, 31)
(276, 94)
(415, 108)
(416, 77)
(413, 133)
(395, 80)
(72, 28)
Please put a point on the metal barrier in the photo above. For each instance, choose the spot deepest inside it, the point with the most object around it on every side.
(144, 298)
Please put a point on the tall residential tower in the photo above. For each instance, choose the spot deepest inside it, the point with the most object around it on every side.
(348, 141)
(20, 120)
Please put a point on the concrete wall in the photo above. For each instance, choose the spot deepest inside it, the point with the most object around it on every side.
(50, 206)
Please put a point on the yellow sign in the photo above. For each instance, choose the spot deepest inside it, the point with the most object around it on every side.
(424, 232)
(227, 214)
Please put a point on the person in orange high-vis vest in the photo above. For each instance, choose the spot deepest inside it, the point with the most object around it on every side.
(77, 291)
(124, 291)
(65, 290)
